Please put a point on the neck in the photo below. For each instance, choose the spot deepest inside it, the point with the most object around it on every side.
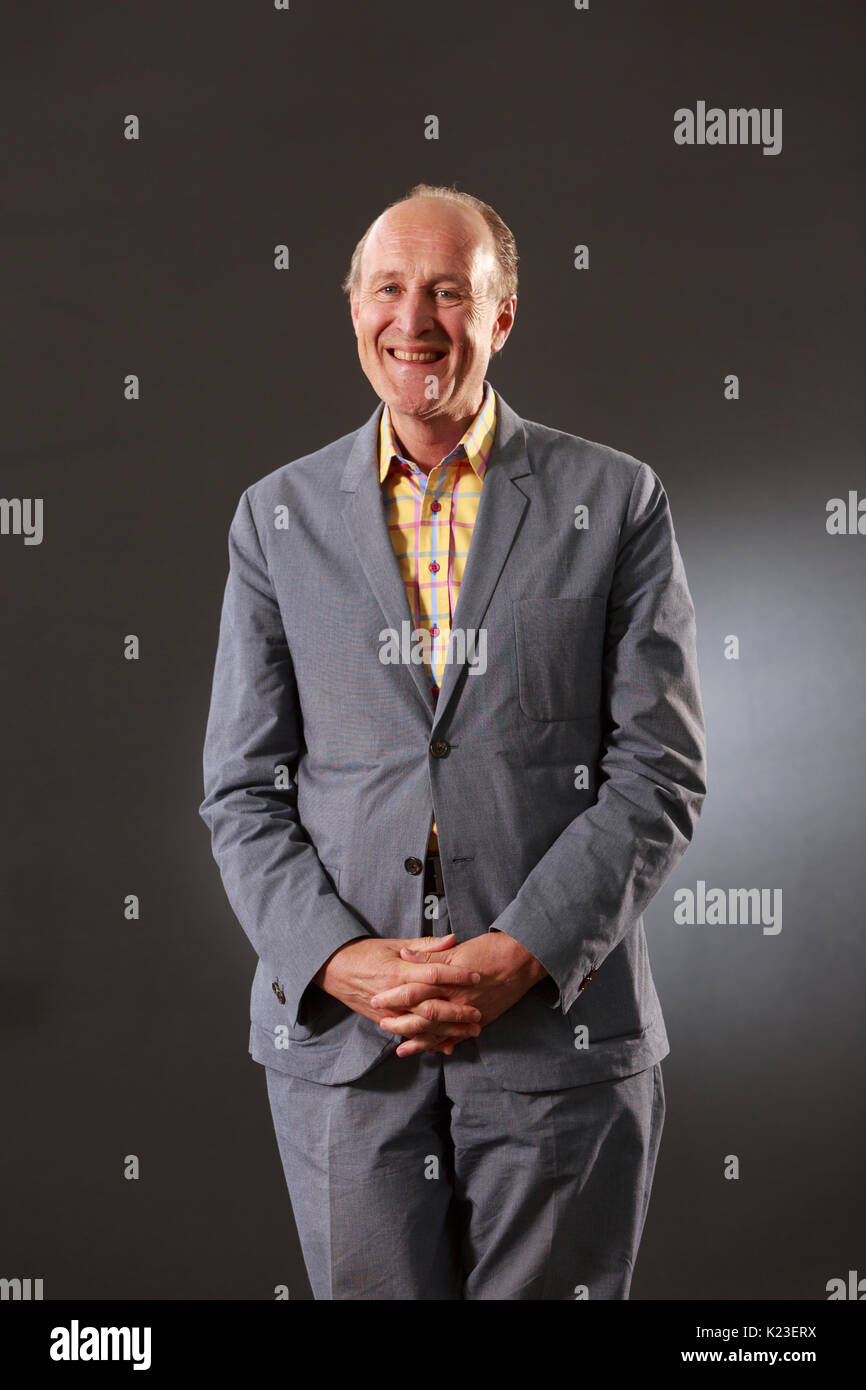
(427, 442)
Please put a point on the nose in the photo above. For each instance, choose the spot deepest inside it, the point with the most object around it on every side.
(415, 314)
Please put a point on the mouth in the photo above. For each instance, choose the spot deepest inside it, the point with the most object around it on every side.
(419, 355)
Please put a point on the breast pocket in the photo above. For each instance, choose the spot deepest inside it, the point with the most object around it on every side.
(560, 650)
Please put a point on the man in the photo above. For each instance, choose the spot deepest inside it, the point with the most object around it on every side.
(455, 746)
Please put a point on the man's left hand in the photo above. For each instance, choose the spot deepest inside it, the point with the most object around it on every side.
(507, 971)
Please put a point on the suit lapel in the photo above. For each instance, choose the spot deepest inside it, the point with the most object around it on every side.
(364, 515)
(500, 510)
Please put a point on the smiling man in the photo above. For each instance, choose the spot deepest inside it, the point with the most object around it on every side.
(444, 877)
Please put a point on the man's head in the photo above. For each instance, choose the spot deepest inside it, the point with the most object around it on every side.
(436, 273)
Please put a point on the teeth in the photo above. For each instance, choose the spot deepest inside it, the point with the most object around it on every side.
(414, 356)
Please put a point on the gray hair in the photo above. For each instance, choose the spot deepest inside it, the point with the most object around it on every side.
(505, 246)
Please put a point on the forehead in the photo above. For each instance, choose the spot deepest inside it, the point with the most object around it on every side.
(429, 237)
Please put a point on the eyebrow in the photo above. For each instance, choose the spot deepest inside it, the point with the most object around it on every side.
(441, 275)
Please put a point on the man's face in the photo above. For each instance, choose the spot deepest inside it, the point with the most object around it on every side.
(427, 286)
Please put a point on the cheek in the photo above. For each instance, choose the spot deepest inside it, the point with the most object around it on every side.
(471, 342)
(370, 325)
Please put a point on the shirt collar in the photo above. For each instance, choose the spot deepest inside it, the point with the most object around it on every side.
(475, 446)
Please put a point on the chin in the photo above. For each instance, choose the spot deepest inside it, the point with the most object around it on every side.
(418, 405)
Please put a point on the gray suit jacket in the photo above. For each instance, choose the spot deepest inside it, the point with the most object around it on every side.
(323, 766)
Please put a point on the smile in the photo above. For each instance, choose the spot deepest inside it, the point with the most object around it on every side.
(415, 356)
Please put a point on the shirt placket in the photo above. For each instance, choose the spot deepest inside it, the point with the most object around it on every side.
(434, 567)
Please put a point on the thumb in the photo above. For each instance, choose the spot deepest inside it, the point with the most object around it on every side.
(430, 943)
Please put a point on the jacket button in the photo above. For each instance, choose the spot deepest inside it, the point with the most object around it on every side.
(278, 991)
(413, 865)
(439, 748)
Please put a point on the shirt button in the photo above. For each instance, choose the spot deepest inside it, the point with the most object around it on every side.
(434, 632)
(435, 506)
(434, 566)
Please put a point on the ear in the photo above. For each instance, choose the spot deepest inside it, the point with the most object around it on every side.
(504, 323)
(354, 308)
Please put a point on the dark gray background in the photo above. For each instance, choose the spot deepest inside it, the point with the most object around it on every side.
(155, 257)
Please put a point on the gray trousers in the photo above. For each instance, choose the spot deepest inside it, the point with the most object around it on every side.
(425, 1179)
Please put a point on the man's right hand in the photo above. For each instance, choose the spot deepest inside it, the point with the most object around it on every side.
(361, 969)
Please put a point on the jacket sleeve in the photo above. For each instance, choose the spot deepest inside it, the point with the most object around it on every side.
(272, 875)
(607, 864)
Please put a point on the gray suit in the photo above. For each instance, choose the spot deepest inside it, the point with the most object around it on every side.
(590, 663)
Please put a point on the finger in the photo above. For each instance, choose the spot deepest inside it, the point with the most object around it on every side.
(443, 974)
(411, 1025)
(407, 995)
(413, 1046)
(413, 998)
(431, 943)
(440, 1011)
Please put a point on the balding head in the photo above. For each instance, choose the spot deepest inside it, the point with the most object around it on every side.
(426, 307)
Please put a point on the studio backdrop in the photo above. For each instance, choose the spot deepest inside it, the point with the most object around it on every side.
(184, 190)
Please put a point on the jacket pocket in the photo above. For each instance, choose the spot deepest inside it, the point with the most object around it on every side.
(559, 644)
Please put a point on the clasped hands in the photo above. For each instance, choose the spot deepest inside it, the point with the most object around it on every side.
(430, 991)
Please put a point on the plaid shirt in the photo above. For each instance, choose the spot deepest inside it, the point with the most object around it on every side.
(430, 519)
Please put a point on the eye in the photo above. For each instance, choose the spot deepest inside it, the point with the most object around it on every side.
(451, 292)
